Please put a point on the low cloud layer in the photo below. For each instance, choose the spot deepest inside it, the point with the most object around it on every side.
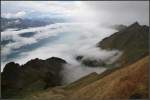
(71, 39)
(74, 72)
(14, 15)
(68, 40)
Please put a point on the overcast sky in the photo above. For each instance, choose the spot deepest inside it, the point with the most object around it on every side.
(107, 12)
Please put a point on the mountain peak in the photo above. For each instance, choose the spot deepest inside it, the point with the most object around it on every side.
(135, 24)
(56, 59)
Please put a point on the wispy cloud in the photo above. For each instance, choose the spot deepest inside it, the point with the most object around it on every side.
(74, 35)
(14, 15)
(75, 39)
(43, 7)
(108, 12)
(78, 37)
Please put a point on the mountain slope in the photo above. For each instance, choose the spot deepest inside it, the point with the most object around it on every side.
(124, 83)
(36, 75)
(129, 82)
(133, 41)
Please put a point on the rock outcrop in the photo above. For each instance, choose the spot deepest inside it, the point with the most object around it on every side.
(16, 79)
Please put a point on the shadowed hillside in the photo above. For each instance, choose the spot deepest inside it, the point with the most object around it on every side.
(129, 82)
(133, 41)
(35, 75)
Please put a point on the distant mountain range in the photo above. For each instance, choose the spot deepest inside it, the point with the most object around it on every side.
(41, 79)
(20, 23)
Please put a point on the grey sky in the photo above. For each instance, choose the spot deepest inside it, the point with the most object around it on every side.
(108, 12)
(122, 11)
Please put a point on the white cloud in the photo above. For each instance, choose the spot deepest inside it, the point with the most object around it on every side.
(71, 39)
(74, 39)
(108, 12)
(75, 72)
(14, 15)
(53, 7)
(86, 35)
(18, 41)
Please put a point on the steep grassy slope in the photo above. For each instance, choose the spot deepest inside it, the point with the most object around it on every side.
(133, 41)
(123, 83)
(129, 82)
(86, 80)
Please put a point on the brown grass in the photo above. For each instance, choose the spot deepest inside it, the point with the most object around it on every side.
(121, 83)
